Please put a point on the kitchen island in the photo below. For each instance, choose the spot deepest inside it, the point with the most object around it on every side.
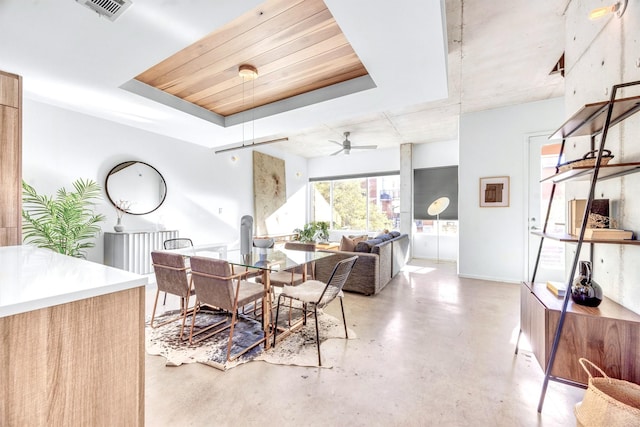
(71, 341)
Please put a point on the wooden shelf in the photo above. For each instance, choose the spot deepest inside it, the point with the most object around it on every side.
(568, 238)
(585, 172)
(608, 308)
(590, 119)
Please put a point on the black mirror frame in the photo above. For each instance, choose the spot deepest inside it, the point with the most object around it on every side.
(122, 166)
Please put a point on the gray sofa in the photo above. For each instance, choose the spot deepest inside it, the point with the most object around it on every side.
(375, 267)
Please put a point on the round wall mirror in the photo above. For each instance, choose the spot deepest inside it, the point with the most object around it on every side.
(136, 184)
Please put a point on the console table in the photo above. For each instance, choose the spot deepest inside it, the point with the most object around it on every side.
(608, 335)
(72, 341)
(131, 250)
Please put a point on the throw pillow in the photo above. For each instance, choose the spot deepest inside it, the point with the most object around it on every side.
(347, 244)
(394, 233)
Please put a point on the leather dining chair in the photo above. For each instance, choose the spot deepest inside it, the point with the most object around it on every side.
(177, 243)
(172, 277)
(217, 286)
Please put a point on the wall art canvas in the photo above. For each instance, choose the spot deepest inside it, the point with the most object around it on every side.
(269, 189)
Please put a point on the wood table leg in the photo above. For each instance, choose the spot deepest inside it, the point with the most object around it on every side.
(266, 308)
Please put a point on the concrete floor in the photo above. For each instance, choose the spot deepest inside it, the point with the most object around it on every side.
(432, 350)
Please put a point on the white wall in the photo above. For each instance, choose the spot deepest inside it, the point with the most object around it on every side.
(600, 54)
(492, 143)
(206, 193)
(367, 161)
(429, 245)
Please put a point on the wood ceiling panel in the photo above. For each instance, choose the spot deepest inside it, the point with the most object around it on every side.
(296, 46)
(217, 38)
(242, 48)
(310, 43)
(285, 83)
(277, 64)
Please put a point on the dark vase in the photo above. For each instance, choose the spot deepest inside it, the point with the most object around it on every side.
(584, 290)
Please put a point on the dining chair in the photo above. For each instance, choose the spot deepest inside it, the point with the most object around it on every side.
(172, 277)
(217, 286)
(177, 243)
(295, 275)
(318, 295)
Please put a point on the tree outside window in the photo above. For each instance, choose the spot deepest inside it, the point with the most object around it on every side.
(367, 204)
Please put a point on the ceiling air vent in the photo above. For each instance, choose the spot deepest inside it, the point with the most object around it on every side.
(110, 9)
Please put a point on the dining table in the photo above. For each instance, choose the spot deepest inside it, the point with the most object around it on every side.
(266, 260)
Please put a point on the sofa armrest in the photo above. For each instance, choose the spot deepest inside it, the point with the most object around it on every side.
(400, 253)
(364, 277)
(385, 252)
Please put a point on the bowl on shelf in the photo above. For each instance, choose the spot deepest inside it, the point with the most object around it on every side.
(263, 242)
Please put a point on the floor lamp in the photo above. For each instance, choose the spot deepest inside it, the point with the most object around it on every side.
(436, 208)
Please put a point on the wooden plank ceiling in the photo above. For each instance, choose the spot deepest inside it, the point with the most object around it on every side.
(296, 46)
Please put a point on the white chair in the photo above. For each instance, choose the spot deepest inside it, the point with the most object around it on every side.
(319, 295)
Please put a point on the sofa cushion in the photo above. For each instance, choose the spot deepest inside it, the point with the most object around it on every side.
(349, 243)
(383, 237)
(367, 245)
(394, 234)
(363, 247)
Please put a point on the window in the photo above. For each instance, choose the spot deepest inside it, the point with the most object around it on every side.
(357, 204)
(430, 184)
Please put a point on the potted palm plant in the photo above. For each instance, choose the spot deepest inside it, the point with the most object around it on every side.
(65, 223)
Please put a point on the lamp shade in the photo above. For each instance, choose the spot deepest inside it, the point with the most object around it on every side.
(438, 206)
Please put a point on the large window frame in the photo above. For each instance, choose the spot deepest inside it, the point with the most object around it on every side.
(376, 192)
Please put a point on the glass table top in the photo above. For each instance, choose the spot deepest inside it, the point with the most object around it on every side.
(265, 259)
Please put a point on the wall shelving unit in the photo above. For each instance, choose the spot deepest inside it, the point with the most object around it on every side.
(558, 330)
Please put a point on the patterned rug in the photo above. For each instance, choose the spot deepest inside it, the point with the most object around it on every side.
(298, 348)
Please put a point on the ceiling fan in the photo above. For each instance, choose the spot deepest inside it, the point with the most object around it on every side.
(347, 147)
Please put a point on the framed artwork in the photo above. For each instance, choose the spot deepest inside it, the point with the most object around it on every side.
(494, 192)
(269, 190)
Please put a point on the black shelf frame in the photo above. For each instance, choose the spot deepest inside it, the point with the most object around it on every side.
(587, 121)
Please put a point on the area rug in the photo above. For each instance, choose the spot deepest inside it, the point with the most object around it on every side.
(298, 348)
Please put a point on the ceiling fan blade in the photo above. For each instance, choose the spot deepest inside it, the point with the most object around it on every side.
(337, 152)
(366, 147)
(336, 142)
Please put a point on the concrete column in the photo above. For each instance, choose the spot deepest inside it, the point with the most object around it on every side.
(406, 192)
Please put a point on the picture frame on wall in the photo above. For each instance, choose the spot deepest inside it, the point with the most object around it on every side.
(494, 192)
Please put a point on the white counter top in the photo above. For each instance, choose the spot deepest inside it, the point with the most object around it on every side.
(32, 278)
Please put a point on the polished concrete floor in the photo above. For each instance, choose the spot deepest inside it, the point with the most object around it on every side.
(432, 350)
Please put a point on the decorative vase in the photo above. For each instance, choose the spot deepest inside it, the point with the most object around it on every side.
(119, 227)
(585, 290)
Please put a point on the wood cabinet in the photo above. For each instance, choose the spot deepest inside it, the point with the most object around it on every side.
(608, 335)
(10, 159)
(80, 363)
(71, 341)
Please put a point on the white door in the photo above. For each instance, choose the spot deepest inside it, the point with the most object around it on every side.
(543, 156)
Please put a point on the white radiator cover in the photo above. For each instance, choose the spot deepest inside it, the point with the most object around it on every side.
(131, 251)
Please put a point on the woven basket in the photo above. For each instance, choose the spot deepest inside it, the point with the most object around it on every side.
(588, 160)
(608, 402)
